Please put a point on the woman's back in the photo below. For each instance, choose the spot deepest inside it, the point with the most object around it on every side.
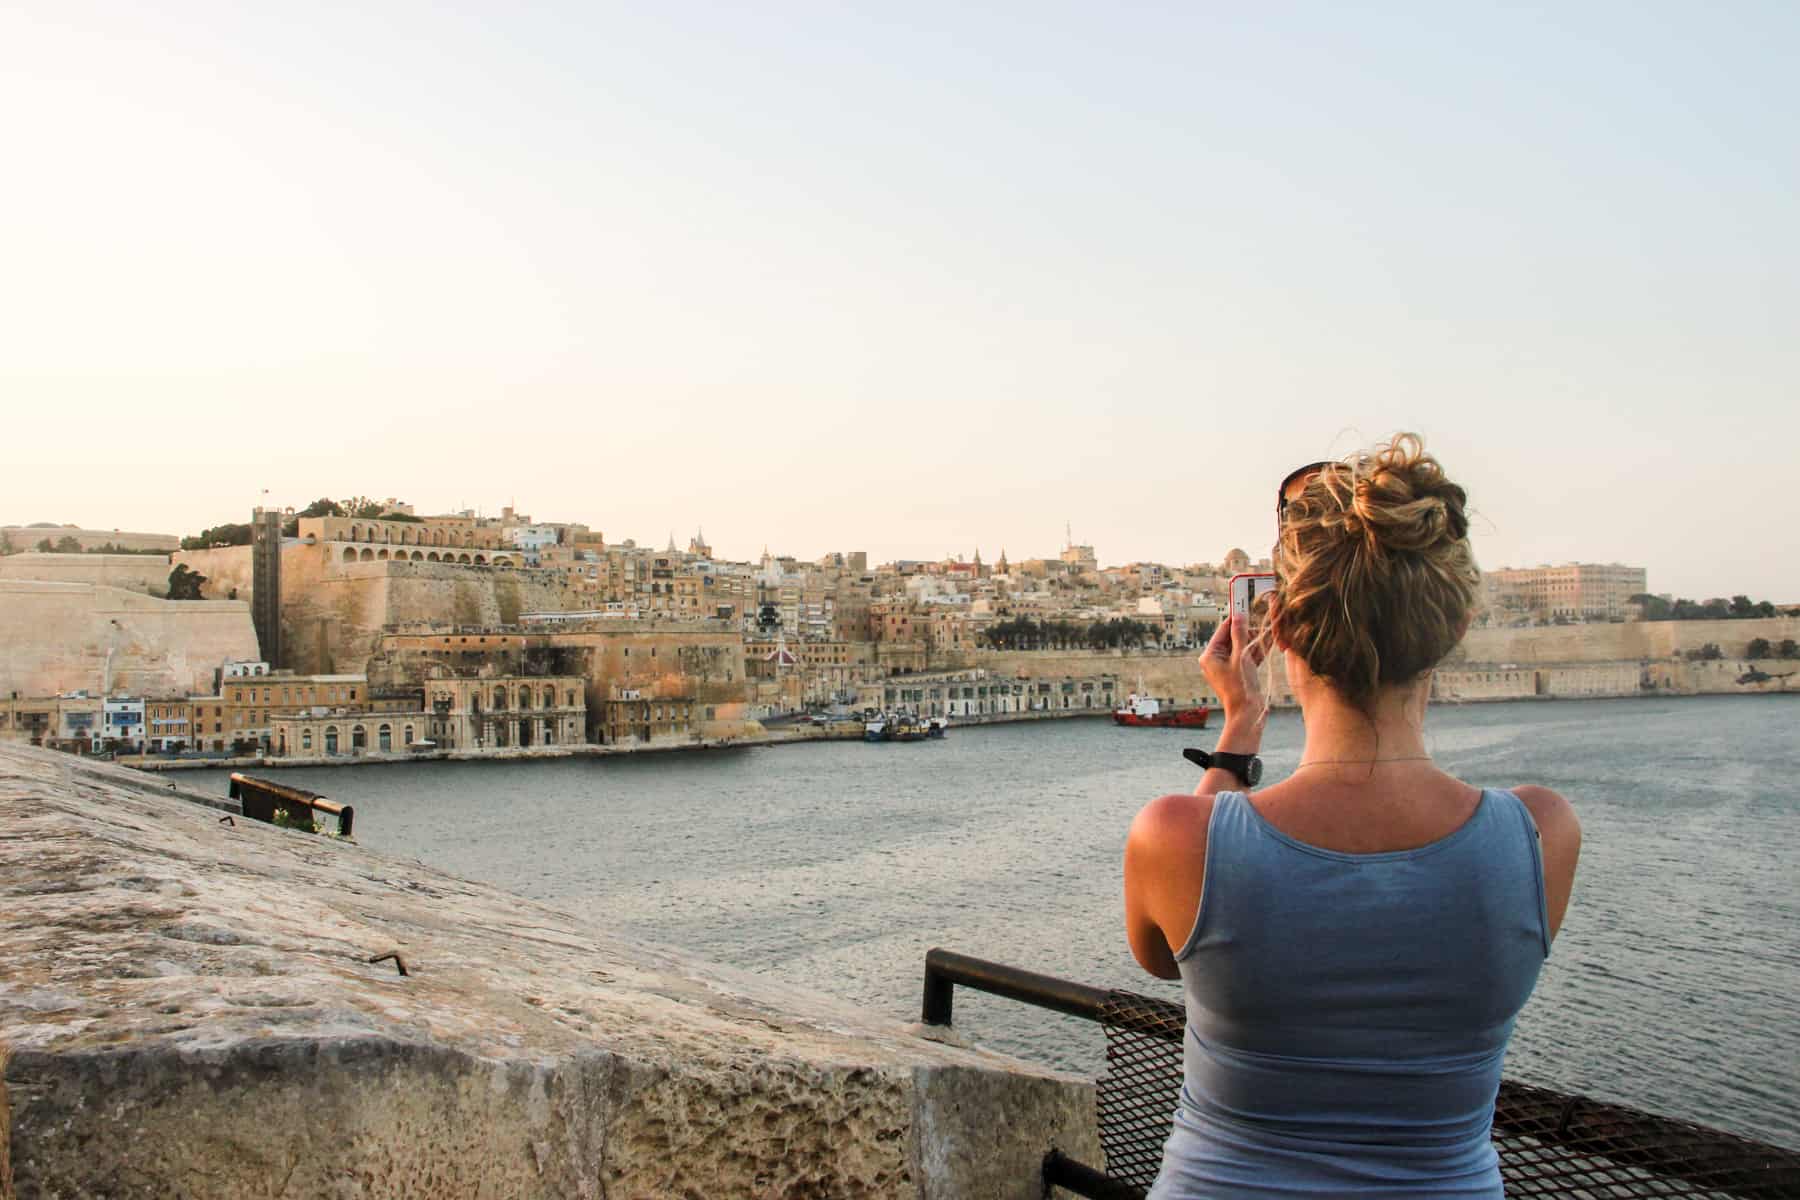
(1348, 1013)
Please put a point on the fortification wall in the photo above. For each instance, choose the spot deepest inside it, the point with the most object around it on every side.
(1550, 662)
(59, 637)
(146, 573)
(227, 569)
(1631, 641)
(212, 984)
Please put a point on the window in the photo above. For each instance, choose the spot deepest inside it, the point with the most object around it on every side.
(331, 739)
(306, 739)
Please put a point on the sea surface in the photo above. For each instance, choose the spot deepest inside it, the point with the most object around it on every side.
(1674, 986)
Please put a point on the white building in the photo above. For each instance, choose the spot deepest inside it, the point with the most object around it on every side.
(122, 720)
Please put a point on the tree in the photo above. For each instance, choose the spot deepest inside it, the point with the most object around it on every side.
(1758, 648)
(1710, 652)
(360, 507)
(44, 546)
(1765, 609)
(68, 543)
(1788, 648)
(228, 534)
(1654, 608)
(322, 507)
(185, 584)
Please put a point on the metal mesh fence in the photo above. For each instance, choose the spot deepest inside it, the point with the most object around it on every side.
(1550, 1144)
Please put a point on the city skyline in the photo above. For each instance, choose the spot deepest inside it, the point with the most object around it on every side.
(905, 282)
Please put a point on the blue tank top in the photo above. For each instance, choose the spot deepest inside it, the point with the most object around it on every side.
(1347, 1013)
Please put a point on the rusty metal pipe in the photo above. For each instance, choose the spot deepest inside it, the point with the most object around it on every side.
(259, 798)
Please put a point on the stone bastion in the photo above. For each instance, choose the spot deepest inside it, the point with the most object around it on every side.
(188, 1007)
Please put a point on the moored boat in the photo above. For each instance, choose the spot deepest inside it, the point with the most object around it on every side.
(1149, 711)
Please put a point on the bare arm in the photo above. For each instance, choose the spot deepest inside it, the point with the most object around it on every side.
(1559, 842)
(1165, 865)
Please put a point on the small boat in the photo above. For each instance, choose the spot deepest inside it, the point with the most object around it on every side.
(878, 730)
(1149, 711)
(909, 727)
(937, 727)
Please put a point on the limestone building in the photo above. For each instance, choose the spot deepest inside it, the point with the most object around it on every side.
(1572, 591)
(506, 712)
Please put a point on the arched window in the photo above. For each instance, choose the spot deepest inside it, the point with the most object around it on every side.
(406, 736)
(480, 560)
(331, 739)
(417, 556)
(359, 739)
(306, 739)
(431, 556)
(356, 533)
(500, 699)
(524, 697)
(549, 697)
(368, 555)
(349, 553)
(381, 554)
(384, 739)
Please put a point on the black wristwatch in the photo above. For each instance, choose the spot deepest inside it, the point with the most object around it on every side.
(1247, 767)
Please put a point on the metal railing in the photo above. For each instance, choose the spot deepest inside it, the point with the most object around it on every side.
(1550, 1143)
(261, 799)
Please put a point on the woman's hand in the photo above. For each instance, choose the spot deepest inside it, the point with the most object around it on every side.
(1230, 663)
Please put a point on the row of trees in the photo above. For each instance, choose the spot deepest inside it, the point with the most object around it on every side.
(1757, 648)
(69, 544)
(1023, 633)
(1738, 608)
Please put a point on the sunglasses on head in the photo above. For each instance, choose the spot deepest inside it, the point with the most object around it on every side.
(1297, 475)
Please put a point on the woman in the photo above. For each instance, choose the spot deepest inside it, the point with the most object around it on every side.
(1355, 941)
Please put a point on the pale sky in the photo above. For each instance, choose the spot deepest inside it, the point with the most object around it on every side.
(910, 278)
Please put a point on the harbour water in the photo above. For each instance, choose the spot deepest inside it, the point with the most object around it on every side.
(1675, 985)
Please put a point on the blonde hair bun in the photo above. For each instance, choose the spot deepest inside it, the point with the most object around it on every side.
(1377, 575)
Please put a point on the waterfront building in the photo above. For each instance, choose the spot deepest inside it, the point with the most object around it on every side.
(979, 693)
(122, 723)
(629, 715)
(1572, 591)
(509, 711)
(168, 725)
(249, 701)
(80, 719)
(346, 735)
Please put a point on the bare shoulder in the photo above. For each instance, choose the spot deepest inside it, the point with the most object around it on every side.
(1175, 821)
(1559, 837)
(1554, 815)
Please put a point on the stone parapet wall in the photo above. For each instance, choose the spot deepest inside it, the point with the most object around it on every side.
(189, 1008)
(147, 573)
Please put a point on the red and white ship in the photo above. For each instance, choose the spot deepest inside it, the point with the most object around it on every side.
(1148, 710)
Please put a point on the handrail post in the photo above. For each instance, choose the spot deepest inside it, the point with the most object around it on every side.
(940, 991)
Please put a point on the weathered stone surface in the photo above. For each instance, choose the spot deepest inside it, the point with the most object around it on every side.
(190, 1012)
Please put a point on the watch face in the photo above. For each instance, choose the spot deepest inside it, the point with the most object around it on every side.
(1255, 771)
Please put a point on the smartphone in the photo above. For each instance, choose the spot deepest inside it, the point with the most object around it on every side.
(1250, 594)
